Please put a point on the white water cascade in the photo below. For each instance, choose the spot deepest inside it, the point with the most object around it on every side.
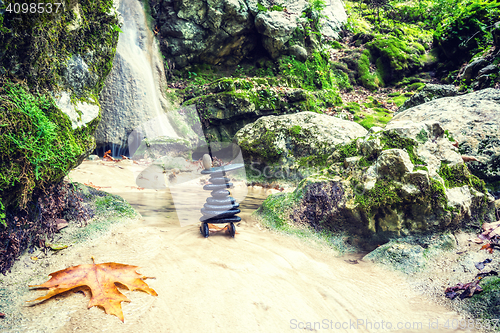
(133, 91)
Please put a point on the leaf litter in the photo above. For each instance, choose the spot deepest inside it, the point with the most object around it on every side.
(490, 234)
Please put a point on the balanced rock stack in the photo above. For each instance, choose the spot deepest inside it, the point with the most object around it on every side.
(220, 208)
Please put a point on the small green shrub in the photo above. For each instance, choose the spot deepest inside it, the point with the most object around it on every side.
(467, 31)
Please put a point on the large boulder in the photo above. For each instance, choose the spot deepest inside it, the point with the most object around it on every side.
(292, 146)
(472, 121)
(48, 106)
(394, 182)
(227, 31)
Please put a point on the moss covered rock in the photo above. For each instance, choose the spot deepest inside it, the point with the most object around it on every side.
(291, 146)
(72, 48)
(395, 58)
(227, 105)
(52, 68)
(412, 254)
(389, 183)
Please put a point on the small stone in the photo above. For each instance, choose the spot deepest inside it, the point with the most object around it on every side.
(298, 52)
(207, 161)
(93, 158)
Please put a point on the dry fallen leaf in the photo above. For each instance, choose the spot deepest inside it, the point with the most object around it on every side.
(469, 159)
(215, 228)
(61, 223)
(100, 279)
(107, 157)
(490, 230)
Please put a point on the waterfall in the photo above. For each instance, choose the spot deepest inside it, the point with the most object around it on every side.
(133, 90)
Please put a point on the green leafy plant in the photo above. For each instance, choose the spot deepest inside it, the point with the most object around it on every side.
(261, 8)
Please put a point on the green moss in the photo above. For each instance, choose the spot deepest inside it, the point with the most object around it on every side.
(391, 140)
(295, 130)
(415, 86)
(486, 304)
(275, 214)
(37, 47)
(371, 81)
(437, 194)
(398, 100)
(114, 205)
(422, 136)
(2, 214)
(336, 45)
(274, 209)
(380, 117)
(343, 151)
(459, 175)
(454, 176)
(383, 193)
(419, 167)
(315, 73)
(449, 136)
(352, 107)
(363, 162)
(394, 57)
(37, 143)
(326, 98)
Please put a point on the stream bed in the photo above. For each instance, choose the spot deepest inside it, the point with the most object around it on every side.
(258, 281)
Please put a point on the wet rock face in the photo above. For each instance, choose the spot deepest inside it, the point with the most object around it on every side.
(471, 120)
(293, 144)
(77, 75)
(414, 182)
(226, 31)
(496, 33)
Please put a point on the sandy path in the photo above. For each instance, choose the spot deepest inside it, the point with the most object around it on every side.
(257, 282)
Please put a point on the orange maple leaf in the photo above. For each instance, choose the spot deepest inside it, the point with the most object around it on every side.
(100, 279)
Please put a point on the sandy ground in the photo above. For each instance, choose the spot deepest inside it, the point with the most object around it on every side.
(258, 281)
